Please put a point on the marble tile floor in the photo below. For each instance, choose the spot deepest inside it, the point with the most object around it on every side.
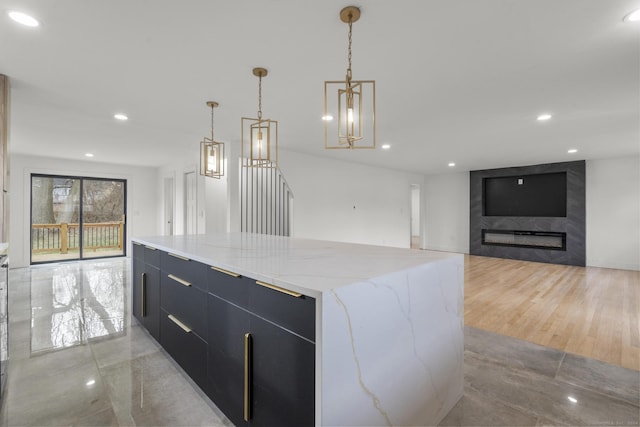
(510, 382)
(77, 358)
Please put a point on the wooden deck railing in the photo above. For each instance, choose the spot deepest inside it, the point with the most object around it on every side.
(65, 237)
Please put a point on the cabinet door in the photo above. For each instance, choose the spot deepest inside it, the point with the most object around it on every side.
(152, 301)
(137, 278)
(186, 348)
(227, 325)
(283, 377)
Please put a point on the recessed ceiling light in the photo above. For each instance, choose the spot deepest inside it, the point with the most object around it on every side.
(120, 116)
(90, 383)
(23, 18)
(633, 16)
(451, 164)
(88, 155)
(327, 118)
(572, 399)
(543, 117)
(572, 150)
(386, 146)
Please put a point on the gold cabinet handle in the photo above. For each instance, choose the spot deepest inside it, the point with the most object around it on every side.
(144, 295)
(279, 289)
(179, 280)
(222, 270)
(151, 248)
(247, 376)
(179, 323)
(179, 256)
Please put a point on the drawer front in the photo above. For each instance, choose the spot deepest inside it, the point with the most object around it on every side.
(187, 303)
(185, 268)
(229, 286)
(186, 348)
(152, 256)
(296, 313)
(137, 250)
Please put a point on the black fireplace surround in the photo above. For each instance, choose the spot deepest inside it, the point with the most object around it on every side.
(552, 239)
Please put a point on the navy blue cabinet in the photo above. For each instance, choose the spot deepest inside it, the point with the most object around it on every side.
(261, 367)
(249, 345)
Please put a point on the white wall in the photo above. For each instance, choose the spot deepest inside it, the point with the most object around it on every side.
(446, 212)
(177, 169)
(613, 213)
(141, 196)
(348, 202)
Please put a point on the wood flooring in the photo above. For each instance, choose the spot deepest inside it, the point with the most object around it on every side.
(589, 311)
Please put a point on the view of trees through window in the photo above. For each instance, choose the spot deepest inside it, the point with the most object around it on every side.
(75, 218)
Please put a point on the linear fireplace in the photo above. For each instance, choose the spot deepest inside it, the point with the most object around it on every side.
(525, 239)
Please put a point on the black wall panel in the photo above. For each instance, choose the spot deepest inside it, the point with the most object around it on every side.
(574, 224)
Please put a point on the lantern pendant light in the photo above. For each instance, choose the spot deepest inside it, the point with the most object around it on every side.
(211, 152)
(349, 105)
(259, 136)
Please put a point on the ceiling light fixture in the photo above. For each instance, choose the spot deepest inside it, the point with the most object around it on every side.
(327, 118)
(451, 164)
(120, 116)
(386, 146)
(23, 18)
(572, 399)
(572, 151)
(345, 99)
(88, 155)
(259, 136)
(211, 152)
(633, 16)
(544, 117)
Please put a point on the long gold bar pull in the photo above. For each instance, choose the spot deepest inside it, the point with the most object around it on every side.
(179, 280)
(179, 323)
(144, 295)
(279, 289)
(184, 258)
(222, 270)
(247, 376)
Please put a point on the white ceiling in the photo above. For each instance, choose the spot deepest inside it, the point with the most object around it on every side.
(457, 80)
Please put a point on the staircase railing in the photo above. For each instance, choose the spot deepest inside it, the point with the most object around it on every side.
(266, 201)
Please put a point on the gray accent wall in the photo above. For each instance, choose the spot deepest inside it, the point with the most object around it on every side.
(574, 224)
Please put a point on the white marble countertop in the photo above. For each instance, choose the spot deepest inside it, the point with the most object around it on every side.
(304, 265)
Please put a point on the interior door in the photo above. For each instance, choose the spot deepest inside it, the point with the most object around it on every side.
(168, 206)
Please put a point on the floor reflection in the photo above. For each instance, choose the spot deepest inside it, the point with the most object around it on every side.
(74, 303)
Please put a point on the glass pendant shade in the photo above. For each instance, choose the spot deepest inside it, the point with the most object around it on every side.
(211, 152)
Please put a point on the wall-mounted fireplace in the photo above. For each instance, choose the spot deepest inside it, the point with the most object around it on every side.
(526, 239)
(531, 213)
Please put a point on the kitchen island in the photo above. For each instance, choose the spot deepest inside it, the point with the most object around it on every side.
(279, 330)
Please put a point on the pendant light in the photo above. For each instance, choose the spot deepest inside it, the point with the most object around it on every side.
(259, 136)
(349, 105)
(211, 152)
